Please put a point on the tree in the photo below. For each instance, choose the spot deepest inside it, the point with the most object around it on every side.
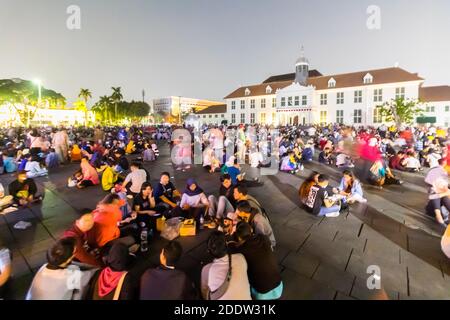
(23, 96)
(401, 111)
(103, 106)
(85, 94)
(116, 97)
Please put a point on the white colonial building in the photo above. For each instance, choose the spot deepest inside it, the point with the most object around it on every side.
(308, 97)
(172, 104)
(436, 104)
(215, 115)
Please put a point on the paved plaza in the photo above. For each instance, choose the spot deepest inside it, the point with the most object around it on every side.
(320, 258)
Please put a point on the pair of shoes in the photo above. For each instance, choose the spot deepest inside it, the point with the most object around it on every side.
(332, 214)
(210, 225)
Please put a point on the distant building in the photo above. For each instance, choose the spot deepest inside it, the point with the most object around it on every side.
(172, 104)
(216, 114)
(308, 97)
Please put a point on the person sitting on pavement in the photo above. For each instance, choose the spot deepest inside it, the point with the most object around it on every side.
(114, 282)
(149, 154)
(351, 188)
(75, 154)
(166, 282)
(107, 217)
(59, 279)
(144, 204)
(134, 180)
(445, 242)
(122, 161)
(226, 277)
(265, 278)
(90, 175)
(5, 200)
(35, 168)
(319, 203)
(326, 156)
(194, 202)
(166, 195)
(398, 161)
(23, 190)
(109, 175)
(306, 186)
(308, 152)
(380, 175)
(259, 223)
(79, 231)
(8, 162)
(439, 201)
(219, 208)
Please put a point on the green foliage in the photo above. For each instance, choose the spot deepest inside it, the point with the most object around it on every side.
(401, 111)
(24, 93)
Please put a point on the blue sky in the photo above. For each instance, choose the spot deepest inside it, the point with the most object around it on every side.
(206, 48)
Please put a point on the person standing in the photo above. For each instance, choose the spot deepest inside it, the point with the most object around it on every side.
(60, 143)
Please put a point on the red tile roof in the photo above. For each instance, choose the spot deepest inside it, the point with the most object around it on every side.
(434, 94)
(221, 108)
(345, 80)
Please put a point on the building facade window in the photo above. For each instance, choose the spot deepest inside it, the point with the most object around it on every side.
(263, 103)
(323, 99)
(222, 115)
(242, 104)
(252, 104)
(323, 117)
(447, 108)
(357, 116)
(358, 96)
(216, 116)
(233, 118)
(233, 105)
(289, 101)
(400, 93)
(377, 115)
(243, 118)
(210, 116)
(340, 116)
(252, 118)
(340, 98)
(274, 102)
(378, 95)
(283, 101)
(430, 109)
(263, 118)
(304, 100)
(297, 101)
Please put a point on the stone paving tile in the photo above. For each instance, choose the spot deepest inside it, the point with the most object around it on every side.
(20, 266)
(341, 296)
(297, 287)
(35, 233)
(329, 252)
(362, 292)
(288, 237)
(21, 285)
(335, 278)
(304, 264)
(6, 237)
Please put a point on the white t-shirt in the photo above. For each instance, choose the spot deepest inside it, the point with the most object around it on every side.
(412, 162)
(59, 284)
(433, 160)
(137, 178)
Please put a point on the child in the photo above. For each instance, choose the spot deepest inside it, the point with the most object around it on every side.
(52, 160)
(34, 168)
(149, 154)
(121, 191)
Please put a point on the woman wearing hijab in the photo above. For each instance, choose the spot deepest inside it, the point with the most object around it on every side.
(114, 282)
(193, 202)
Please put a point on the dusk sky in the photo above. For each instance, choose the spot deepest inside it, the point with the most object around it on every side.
(207, 48)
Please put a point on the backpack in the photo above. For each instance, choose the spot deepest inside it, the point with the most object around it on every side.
(261, 209)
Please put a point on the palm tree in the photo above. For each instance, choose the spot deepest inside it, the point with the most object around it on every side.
(105, 103)
(85, 94)
(116, 97)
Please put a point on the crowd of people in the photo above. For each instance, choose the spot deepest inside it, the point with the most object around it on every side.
(98, 252)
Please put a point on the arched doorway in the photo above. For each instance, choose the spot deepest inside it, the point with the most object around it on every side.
(295, 121)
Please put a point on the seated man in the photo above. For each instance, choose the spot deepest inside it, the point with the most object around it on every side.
(34, 168)
(166, 282)
(257, 221)
(79, 232)
(134, 180)
(23, 189)
(166, 195)
(226, 203)
(265, 278)
(226, 277)
(319, 203)
(59, 279)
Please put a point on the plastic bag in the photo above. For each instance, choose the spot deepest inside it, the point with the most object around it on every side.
(171, 228)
